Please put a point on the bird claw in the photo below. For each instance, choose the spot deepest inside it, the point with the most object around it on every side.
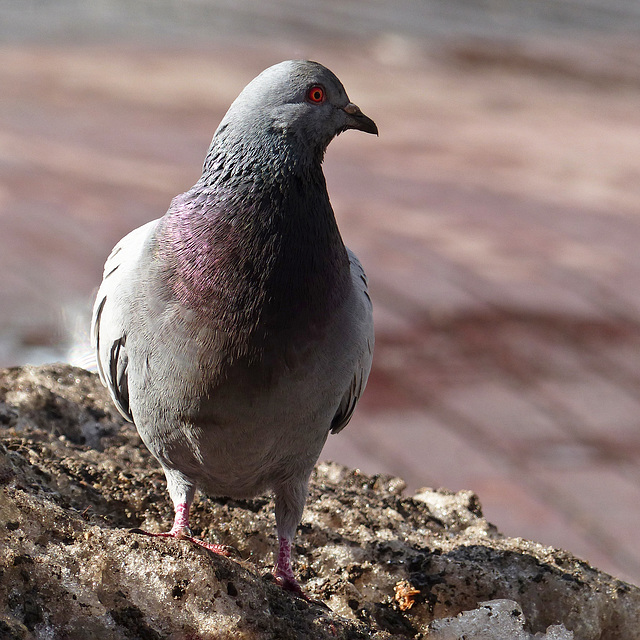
(225, 550)
(185, 534)
(292, 586)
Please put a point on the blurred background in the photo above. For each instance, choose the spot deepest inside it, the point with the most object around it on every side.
(498, 217)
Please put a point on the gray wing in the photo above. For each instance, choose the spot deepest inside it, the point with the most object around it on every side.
(363, 365)
(112, 314)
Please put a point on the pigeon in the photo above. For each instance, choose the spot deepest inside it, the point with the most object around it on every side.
(236, 331)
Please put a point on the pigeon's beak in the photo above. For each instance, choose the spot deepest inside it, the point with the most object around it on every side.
(357, 120)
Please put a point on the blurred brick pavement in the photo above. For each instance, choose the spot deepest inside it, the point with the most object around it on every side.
(498, 216)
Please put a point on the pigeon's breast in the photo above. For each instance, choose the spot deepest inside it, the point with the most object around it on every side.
(265, 420)
(235, 424)
(250, 282)
(251, 344)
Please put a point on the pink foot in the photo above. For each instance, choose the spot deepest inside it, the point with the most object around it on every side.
(181, 531)
(284, 573)
(292, 586)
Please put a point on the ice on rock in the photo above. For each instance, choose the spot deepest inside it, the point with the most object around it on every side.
(492, 620)
(556, 632)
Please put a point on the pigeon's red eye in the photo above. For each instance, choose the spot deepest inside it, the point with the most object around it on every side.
(316, 94)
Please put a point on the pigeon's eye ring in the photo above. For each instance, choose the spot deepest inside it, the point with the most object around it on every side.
(316, 94)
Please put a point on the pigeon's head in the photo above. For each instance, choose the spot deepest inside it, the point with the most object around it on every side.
(297, 101)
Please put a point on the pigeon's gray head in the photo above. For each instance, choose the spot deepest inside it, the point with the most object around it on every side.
(296, 106)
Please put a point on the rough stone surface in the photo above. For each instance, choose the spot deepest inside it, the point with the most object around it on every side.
(74, 478)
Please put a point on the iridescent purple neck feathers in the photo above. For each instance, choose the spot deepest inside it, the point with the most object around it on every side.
(255, 260)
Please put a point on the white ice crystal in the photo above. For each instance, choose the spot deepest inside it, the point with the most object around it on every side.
(492, 620)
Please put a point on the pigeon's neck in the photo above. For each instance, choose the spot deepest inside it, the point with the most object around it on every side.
(259, 257)
(272, 157)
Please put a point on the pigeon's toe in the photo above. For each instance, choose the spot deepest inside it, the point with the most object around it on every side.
(219, 549)
(185, 534)
(293, 587)
(290, 584)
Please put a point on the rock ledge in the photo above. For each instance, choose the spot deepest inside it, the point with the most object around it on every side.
(74, 479)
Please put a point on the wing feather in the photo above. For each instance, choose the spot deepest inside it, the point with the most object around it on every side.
(111, 314)
(363, 365)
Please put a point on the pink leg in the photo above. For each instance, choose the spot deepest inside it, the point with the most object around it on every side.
(180, 527)
(284, 572)
(181, 531)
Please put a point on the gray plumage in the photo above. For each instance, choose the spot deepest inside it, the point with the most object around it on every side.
(236, 331)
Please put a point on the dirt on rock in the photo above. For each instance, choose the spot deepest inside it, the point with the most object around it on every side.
(75, 478)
